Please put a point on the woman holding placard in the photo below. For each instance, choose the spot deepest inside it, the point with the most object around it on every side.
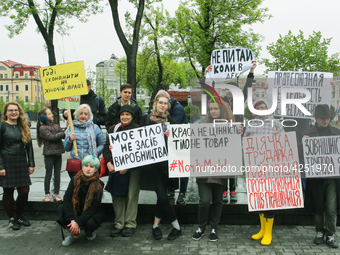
(270, 126)
(155, 177)
(123, 185)
(88, 136)
(210, 190)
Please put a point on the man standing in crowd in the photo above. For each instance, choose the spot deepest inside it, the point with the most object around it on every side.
(96, 104)
(323, 194)
(124, 99)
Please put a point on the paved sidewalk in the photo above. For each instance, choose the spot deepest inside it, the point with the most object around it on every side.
(44, 237)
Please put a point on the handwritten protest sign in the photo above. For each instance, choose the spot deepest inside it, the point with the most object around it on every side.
(65, 80)
(230, 63)
(317, 83)
(74, 102)
(272, 172)
(322, 156)
(202, 150)
(138, 147)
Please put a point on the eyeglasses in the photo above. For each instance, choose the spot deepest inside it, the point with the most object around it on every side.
(12, 110)
(162, 103)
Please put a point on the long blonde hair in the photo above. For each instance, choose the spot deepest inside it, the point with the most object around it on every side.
(225, 112)
(21, 122)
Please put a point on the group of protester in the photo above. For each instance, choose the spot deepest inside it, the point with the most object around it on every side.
(81, 207)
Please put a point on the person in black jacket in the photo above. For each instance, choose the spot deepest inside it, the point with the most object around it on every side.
(96, 104)
(82, 202)
(124, 99)
(16, 163)
(156, 176)
(323, 194)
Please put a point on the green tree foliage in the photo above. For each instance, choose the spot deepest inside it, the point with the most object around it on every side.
(297, 53)
(120, 71)
(49, 16)
(248, 114)
(201, 26)
(193, 113)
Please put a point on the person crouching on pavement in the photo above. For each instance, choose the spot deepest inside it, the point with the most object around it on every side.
(82, 202)
(323, 194)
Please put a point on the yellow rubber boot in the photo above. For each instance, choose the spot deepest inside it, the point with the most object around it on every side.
(267, 238)
(260, 234)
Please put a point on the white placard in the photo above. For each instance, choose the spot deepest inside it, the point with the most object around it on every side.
(322, 156)
(138, 147)
(317, 83)
(202, 150)
(272, 172)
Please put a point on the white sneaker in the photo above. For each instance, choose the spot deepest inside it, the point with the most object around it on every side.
(70, 239)
(47, 198)
(94, 235)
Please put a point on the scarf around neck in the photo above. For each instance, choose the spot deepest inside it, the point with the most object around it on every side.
(90, 135)
(159, 118)
(94, 189)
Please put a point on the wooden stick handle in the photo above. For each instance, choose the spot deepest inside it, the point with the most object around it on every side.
(69, 120)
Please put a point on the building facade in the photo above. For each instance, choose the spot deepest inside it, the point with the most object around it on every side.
(105, 77)
(20, 81)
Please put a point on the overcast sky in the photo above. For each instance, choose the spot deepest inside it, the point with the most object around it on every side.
(96, 40)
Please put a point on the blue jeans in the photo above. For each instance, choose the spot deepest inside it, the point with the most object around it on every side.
(326, 222)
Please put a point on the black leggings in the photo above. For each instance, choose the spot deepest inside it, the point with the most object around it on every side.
(8, 200)
(163, 206)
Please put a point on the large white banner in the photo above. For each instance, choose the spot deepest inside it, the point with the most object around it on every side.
(317, 83)
(138, 147)
(322, 156)
(272, 172)
(202, 150)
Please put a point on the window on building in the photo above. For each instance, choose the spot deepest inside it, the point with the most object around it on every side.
(7, 86)
(35, 87)
(257, 94)
(1, 87)
(16, 87)
(1, 76)
(26, 75)
(7, 98)
(16, 76)
(142, 91)
(26, 99)
(262, 94)
(137, 91)
(16, 98)
(6, 75)
(26, 87)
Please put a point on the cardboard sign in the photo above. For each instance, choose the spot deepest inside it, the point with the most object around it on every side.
(202, 150)
(317, 83)
(230, 63)
(65, 80)
(272, 172)
(322, 156)
(73, 101)
(138, 147)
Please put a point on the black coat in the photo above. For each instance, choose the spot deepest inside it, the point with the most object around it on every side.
(118, 184)
(12, 145)
(315, 197)
(113, 113)
(95, 211)
(151, 174)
